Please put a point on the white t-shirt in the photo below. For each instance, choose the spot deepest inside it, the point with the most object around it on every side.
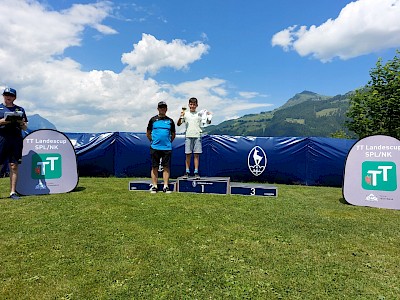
(193, 124)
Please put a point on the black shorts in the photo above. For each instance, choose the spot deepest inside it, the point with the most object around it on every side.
(10, 149)
(163, 155)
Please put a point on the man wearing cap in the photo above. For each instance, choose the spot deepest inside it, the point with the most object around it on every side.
(161, 133)
(11, 135)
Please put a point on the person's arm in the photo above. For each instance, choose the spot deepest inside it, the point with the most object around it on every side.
(149, 130)
(173, 131)
(148, 134)
(181, 119)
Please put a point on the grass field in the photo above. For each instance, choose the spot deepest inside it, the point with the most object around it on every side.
(105, 242)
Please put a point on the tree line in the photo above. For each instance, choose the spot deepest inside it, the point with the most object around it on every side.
(375, 108)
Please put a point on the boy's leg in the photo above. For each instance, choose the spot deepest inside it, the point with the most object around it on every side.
(188, 152)
(196, 166)
(187, 163)
(154, 175)
(166, 170)
(166, 175)
(197, 150)
(196, 159)
(155, 159)
(13, 177)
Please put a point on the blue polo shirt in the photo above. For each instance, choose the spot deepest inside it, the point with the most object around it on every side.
(161, 131)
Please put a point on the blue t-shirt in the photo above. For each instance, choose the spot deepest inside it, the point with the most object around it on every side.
(161, 129)
(11, 129)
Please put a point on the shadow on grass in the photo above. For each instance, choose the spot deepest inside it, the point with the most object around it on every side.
(343, 201)
(78, 189)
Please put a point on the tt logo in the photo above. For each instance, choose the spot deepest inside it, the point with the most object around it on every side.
(379, 175)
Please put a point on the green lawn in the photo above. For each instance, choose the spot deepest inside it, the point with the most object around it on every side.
(105, 242)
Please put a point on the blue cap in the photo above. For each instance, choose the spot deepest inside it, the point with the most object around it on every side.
(10, 91)
(162, 104)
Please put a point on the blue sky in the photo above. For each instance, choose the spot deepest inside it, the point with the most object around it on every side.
(96, 66)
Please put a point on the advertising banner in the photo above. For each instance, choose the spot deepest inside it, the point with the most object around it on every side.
(48, 164)
(372, 173)
(287, 160)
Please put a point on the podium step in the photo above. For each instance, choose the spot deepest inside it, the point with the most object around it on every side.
(144, 185)
(208, 185)
(253, 189)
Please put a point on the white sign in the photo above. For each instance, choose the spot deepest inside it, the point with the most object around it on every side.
(371, 175)
(48, 164)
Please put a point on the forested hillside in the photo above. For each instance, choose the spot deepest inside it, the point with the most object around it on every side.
(306, 114)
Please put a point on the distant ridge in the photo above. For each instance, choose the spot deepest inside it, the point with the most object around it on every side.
(36, 122)
(305, 114)
(302, 97)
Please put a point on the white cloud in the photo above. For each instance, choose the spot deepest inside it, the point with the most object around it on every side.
(150, 54)
(362, 27)
(33, 60)
(284, 38)
(250, 95)
(31, 32)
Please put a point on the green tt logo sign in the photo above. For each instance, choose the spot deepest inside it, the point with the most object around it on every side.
(379, 175)
(46, 166)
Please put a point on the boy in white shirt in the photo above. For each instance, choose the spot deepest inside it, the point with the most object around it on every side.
(193, 121)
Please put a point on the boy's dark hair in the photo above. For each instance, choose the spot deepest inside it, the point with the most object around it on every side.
(193, 100)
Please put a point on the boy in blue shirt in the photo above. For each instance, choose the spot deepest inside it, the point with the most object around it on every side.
(161, 133)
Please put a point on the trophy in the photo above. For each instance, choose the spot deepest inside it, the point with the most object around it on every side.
(183, 113)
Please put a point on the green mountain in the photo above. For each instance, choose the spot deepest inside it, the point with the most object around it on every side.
(306, 114)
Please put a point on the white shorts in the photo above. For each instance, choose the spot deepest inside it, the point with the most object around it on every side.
(193, 145)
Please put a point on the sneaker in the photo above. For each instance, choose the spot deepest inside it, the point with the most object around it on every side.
(196, 176)
(166, 190)
(153, 189)
(186, 176)
(14, 196)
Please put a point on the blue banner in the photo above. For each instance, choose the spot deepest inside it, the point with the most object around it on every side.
(288, 160)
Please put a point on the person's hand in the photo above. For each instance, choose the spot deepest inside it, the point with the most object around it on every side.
(209, 117)
(22, 124)
(4, 122)
(183, 111)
